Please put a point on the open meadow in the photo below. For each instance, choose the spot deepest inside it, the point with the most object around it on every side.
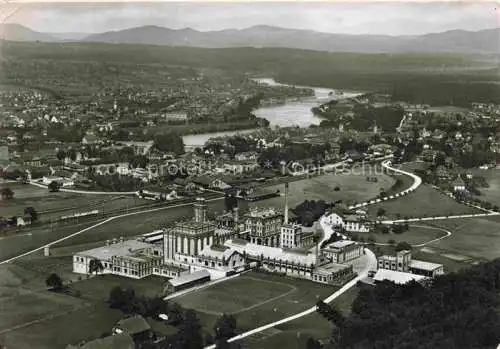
(423, 202)
(353, 187)
(51, 206)
(255, 299)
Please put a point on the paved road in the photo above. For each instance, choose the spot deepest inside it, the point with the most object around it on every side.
(417, 181)
(437, 218)
(95, 226)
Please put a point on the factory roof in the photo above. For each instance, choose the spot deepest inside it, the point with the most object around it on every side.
(422, 265)
(184, 279)
(272, 252)
(330, 268)
(341, 244)
(128, 248)
(397, 277)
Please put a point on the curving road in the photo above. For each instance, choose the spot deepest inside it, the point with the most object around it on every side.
(447, 232)
(417, 181)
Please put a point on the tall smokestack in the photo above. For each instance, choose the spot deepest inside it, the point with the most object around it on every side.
(236, 218)
(286, 203)
(200, 209)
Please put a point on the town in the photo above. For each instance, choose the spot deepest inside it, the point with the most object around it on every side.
(188, 198)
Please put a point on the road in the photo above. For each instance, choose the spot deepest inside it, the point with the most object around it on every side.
(447, 232)
(417, 181)
(86, 192)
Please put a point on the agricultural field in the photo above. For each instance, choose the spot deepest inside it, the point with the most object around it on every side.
(255, 299)
(415, 235)
(492, 193)
(294, 334)
(423, 202)
(51, 206)
(353, 187)
(472, 237)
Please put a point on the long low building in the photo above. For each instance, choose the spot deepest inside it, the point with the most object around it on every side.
(398, 277)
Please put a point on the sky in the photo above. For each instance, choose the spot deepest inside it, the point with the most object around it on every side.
(391, 18)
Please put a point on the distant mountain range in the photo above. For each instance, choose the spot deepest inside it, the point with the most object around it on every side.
(459, 41)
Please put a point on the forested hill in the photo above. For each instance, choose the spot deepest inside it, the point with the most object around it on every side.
(459, 311)
(436, 79)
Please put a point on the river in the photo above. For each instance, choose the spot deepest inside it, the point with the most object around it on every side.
(295, 112)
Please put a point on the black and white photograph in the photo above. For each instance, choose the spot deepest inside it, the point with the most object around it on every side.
(249, 174)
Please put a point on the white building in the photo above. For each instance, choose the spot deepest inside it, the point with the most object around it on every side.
(403, 262)
(398, 277)
(342, 251)
(63, 182)
(130, 258)
(356, 224)
(426, 268)
(293, 236)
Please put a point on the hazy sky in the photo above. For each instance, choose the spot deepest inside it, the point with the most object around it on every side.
(354, 18)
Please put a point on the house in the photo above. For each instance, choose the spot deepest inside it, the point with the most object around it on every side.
(356, 224)
(459, 185)
(219, 184)
(91, 139)
(118, 341)
(63, 182)
(140, 148)
(135, 326)
(246, 156)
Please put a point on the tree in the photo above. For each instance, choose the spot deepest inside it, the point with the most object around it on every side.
(313, 343)
(225, 326)
(403, 245)
(381, 212)
(189, 336)
(54, 282)
(169, 142)
(209, 340)
(61, 154)
(7, 194)
(53, 186)
(32, 213)
(95, 265)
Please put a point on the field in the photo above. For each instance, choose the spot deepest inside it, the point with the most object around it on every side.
(415, 235)
(50, 206)
(472, 237)
(492, 193)
(424, 201)
(255, 299)
(294, 334)
(353, 188)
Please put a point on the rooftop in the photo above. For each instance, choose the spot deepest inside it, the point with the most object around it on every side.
(341, 244)
(398, 277)
(263, 213)
(128, 248)
(331, 268)
(183, 279)
(422, 265)
(272, 252)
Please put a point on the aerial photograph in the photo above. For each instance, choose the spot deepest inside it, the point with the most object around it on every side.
(250, 175)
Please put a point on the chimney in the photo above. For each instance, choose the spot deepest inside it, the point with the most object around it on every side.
(286, 203)
(236, 218)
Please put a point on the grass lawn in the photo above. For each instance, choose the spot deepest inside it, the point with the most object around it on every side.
(51, 206)
(353, 188)
(294, 334)
(250, 304)
(492, 193)
(414, 235)
(474, 237)
(139, 224)
(86, 323)
(425, 201)
(98, 287)
(25, 308)
(33, 237)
